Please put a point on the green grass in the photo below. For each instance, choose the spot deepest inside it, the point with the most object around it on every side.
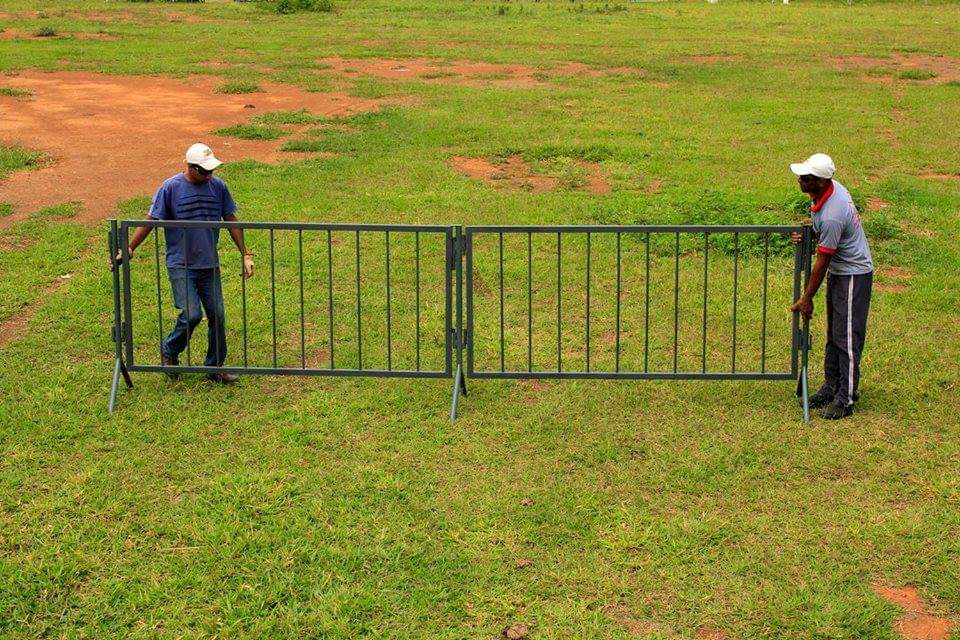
(342, 508)
(250, 132)
(15, 158)
(15, 92)
(916, 74)
(239, 86)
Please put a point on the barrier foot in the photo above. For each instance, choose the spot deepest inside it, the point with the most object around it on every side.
(118, 369)
(805, 395)
(459, 384)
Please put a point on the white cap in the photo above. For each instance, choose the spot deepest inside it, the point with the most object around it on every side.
(201, 154)
(819, 164)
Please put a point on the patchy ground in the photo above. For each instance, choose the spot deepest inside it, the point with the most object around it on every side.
(110, 138)
(915, 68)
(18, 34)
(893, 279)
(515, 173)
(916, 623)
(465, 72)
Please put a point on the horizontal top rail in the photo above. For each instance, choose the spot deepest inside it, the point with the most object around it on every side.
(292, 226)
(635, 228)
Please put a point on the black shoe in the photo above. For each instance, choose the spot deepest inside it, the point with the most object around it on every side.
(223, 378)
(836, 411)
(821, 398)
(167, 361)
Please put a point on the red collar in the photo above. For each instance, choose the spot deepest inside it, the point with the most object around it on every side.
(822, 199)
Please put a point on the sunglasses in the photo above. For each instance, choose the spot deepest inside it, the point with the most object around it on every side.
(201, 170)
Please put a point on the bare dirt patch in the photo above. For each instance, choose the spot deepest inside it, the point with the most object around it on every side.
(918, 232)
(514, 173)
(466, 72)
(717, 58)
(18, 34)
(111, 138)
(15, 243)
(900, 67)
(709, 633)
(637, 627)
(916, 623)
(877, 204)
(894, 278)
(936, 175)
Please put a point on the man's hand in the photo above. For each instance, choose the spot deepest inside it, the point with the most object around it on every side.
(804, 306)
(118, 259)
(796, 236)
(247, 265)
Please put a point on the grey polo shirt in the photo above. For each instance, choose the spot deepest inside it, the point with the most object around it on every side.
(836, 223)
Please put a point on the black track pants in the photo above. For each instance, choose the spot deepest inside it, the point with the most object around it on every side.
(848, 302)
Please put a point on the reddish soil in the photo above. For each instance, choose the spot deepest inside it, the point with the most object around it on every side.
(917, 623)
(515, 632)
(891, 287)
(465, 71)
(947, 68)
(709, 633)
(514, 173)
(876, 204)
(109, 138)
(895, 272)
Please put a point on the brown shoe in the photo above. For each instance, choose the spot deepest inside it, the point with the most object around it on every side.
(223, 378)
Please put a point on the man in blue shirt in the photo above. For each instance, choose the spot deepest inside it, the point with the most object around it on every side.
(843, 256)
(192, 261)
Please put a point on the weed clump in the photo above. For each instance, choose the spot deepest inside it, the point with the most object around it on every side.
(250, 132)
(917, 74)
(45, 32)
(239, 87)
(14, 92)
(295, 6)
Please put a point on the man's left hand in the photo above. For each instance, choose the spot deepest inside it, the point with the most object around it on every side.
(247, 265)
(804, 307)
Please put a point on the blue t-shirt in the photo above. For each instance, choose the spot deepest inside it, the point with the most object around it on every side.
(179, 199)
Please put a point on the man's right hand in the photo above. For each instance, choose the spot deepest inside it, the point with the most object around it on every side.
(118, 259)
(796, 237)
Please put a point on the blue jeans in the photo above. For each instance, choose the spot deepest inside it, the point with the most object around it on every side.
(195, 292)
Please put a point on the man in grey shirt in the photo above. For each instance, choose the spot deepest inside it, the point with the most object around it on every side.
(843, 255)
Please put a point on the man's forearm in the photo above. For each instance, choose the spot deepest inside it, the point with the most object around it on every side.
(138, 237)
(817, 275)
(236, 234)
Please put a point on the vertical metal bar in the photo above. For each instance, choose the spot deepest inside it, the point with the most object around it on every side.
(469, 282)
(416, 238)
(127, 294)
(359, 327)
(330, 292)
(186, 288)
(706, 262)
(156, 259)
(243, 301)
(303, 332)
(529, 301)
(559, 348)
(588, 302)
(500, 239)
(736, 273)
(646, 309)
(273, 297)
(389, 338)
(763, 328)
(114, 242)
(460, 382)
(676, 299)
(617, 347)
(798, 255)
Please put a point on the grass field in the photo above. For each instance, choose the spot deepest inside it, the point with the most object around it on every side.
(341, 508)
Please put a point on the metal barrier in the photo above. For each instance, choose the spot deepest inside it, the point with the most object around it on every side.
(582, 281)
